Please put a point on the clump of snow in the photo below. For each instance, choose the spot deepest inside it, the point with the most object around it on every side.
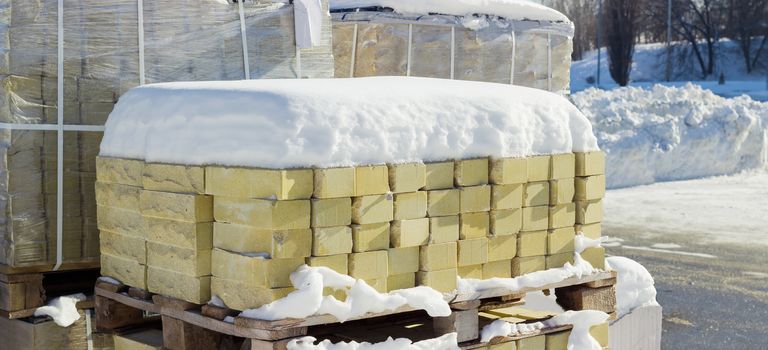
(665, 133)
(445, 342)
(308, 299)
(501, 328)
(634, 284)
(582, 321)
(340, 122)
(63, 309)
(109, 280)
(540, 302)
(581, 243)
(216, 301)
(510, 9)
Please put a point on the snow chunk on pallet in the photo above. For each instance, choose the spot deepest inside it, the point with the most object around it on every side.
(340, 122)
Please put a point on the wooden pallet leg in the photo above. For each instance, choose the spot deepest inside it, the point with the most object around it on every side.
(20, 292)
(585, 297)
(180, 335)
(464, 320)
(111, 314)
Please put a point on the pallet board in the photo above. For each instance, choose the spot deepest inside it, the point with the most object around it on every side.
(22, 293)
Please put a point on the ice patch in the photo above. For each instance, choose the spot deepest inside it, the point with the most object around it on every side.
(634, 285)
(607, 241)
(63, 309)
(666, 246)
(678, 252)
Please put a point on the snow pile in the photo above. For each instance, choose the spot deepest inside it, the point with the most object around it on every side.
(509, 9)
(340, 122)
(308, 300)
(63, 309)
(446, 342)
(501, 328)
(665, 133)
(634, 285)
(579, 339)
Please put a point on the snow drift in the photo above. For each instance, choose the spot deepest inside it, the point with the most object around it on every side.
(665, 133)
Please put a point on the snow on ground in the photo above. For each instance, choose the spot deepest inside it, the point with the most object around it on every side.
(340, 122)
(672, 133)
(728, 209)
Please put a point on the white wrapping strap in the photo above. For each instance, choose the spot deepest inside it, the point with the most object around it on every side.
(453, 52)
(244, 37)
(298, 63)
(354, 53)
(88, 329)
(512, 63)
(549, 62)
(410, 47)
(140, 8)
(51, 127)
(60, 135)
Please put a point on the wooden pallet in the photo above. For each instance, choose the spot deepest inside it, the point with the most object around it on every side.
(22, 290)
(191, 326)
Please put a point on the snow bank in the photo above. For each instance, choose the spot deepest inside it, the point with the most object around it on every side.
(63, 309)
(340, 122)
(634, 285)
(509, 9)
(665, 133)
(446, 342)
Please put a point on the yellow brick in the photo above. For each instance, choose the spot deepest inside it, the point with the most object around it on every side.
(539, 168)
(502, 248)
(334, 183)
(379, 284)
(259, 183)
(595, 256)
(370, 180)
(506, 222)
(507, 171)
(591, 231)
(472, 252)
(560, 240)
(370, 237)
(409, 177)
(174, 178)
(127, 271)
(531, 343)
(401, 281)
(535, 218)
(439, 176)
(510, 345)
(253, 270)
(188, 262)
(372, 209)
(150, 339)
(561, 191)
(338, 263)
(536, 194)
(123, 246)
(183, 234)
(475, 199)
(331, 212)
(175, 206)
(474, 225)
(443, 281)
(600, 333)
(532, 243)
(331, 240)
(558, 260)
(557, 341)
(443, 202)
(563, 166)
(410, 205)
(196, 290)
(119, 171)
(240, 296)
(507, 196)
(403, 260)
(369, 265)
(127, 222)
(117, 195)
(409, 233)
(278, 244)
(471, 172)
(563, 215)
(524, 266)
(497, 269)
(590, 188)
(589, 212)
(443, 229)
(471, 272)
(588, 164)
(435, 257)
(263, 213)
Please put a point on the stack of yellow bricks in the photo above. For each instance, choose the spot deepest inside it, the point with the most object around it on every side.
(192, 232)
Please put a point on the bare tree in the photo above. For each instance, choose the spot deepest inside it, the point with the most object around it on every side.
(747, 20)
(582, 13)
(697, 20)
(621, 18)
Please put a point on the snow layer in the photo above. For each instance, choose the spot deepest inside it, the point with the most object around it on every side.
(665, 133)
(510, 9)
(579, 339)
(634, 285)
(340, 122)
(501, 328)
(446, 342)
(63, 309)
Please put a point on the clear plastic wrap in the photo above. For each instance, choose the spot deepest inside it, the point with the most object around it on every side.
(182, 40)
(480, 54)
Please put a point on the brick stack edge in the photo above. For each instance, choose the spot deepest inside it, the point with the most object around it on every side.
(192, 232)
